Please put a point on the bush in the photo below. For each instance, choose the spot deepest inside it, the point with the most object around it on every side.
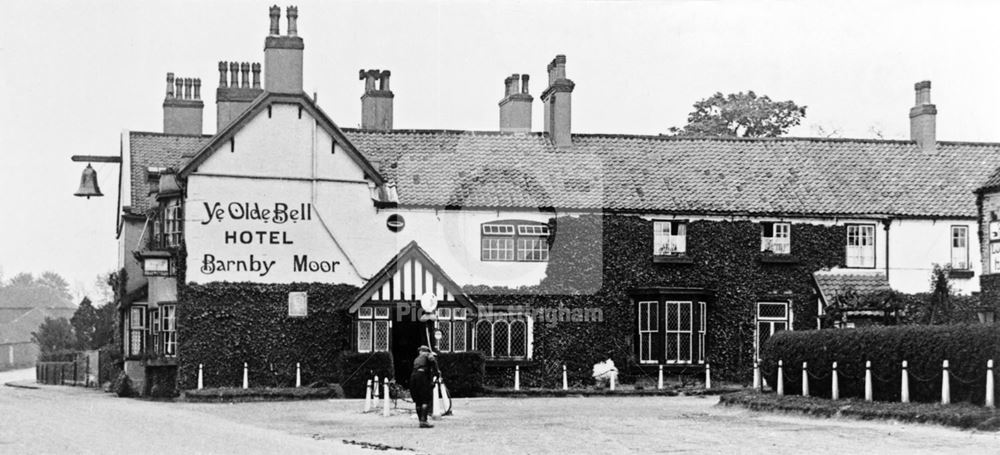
(65, 355)
(355, 369)
(966, 347)
(161, 381)
(463, 373)
(123, 386)
(110, 361)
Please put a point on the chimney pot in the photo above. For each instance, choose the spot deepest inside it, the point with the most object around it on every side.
(197, 88)
(245, 75)
(170, 85)
(383, 80)
(557, 99)
(275, 17)
(923, 118)
(178, 88)
(524, 84)
(234, 74)
(223, 66)
(293, 15)
(255, 67)
(376, 105)
(188, 86)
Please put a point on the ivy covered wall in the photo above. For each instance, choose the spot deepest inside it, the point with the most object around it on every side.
(596, 260)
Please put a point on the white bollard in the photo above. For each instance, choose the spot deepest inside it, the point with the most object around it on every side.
(201, 384)
(805, 380)
(612, 382)
(834, 383)
(517, 377)
(708, 377)
(756, 376)
(945, 384)
(904, 389)
(437, 403)
(990, 388)
(385, 397)
(781, 379)
(246, 377)
(376, 392)
(298, 375)
(659, 381)
(565, 379)
(868, 380)
(368, 395)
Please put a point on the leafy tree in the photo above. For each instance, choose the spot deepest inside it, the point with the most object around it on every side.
(49, 290)
(741, 115)
(84, 323)
(104, 328)
(54, 335)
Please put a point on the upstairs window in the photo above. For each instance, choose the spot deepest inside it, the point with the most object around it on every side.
(521, 241)
(776, 238)
(960, 248)
(669, 238)
(861, 245)
(173, 223)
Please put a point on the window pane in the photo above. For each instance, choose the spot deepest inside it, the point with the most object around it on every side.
(381, 335)
(685, 316)
(381, 312)
(532, 249)
(497, 249)
(484, 337)
(518, 339)
(365, 312)
(772, 310)
(458, 336)
(498, 229)
(501, 338)
(364, 336)
(444, 344)
(672, 316)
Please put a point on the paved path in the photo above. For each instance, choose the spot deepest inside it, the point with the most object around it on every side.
(69, 420)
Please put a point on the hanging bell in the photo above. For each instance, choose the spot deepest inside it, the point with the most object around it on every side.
(88, 184)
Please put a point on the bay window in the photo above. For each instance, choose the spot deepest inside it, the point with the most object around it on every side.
(173, 223)
(670, 331)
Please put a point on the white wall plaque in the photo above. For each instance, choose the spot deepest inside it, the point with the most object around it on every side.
(298, 303)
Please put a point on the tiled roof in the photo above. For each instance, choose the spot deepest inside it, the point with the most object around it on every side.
(836, 282)
(156, 150)
(708, 175)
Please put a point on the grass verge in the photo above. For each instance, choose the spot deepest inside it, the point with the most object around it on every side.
(961, 415)
(230, 394)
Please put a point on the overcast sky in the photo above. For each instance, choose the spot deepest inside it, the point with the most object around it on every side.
(73, 75)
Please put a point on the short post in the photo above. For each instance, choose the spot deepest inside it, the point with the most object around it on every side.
(385, 397)
(437, 402)
(612, 380)
(708, 377)
(298, 375)
(201, 381)
(781, 379)
(834, 383)
(945, 384)
(990, 387)
(868, 380)
(246, 378)
(565, 379)
(376, 392)
(659, 382)
(805, 379)
(756, 375)
(517, 377)
(904, 390)
(368, 395)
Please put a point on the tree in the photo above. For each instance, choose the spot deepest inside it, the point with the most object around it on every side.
(104, 328)
(741, 115)
(54, 335)
(25, 291)
(84, 323)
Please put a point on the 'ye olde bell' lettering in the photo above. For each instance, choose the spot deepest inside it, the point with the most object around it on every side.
(280, 214)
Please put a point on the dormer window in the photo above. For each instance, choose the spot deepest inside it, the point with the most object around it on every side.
(776, 238)
(520, 241)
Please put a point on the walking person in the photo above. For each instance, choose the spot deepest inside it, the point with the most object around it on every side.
(421, 384)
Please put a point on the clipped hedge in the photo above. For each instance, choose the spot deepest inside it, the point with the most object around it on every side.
(223, 325)
(966, 347)
(161, 381)
(463, 373)
(264, 394)
(355, 369)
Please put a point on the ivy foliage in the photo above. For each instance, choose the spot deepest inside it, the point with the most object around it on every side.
(355, 369)
(596, 260)
(223, 325)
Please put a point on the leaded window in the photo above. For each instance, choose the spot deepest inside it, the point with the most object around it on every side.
(521, 241)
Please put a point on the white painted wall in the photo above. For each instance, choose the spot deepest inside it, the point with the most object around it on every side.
(915, 245)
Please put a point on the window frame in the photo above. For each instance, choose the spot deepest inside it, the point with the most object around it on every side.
(956, 228)
(506, 318)
(514, 241)
(137, 334)
(860, 236)
(680, 333)
(767, 243)
(168, 329)
(675, 226)
(651, 331)
(373, 317)
(771, 320)
(173, 223)
(451, 321)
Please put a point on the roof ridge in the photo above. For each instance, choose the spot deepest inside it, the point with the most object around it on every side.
(154, 133)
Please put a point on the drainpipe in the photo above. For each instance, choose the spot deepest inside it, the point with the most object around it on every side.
(886, 223)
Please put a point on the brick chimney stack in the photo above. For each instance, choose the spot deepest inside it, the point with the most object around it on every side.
(557, 100)
(283, 54)
(376, 103)
(182, 106)
(923, 118)
(515, 107)
(235, 92)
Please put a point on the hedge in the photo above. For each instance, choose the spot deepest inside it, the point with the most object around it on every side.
(223, 325)
(966, 347)
(463, 373)
(264, 394)
(355, 369)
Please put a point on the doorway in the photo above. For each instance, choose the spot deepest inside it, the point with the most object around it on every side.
(407, 337)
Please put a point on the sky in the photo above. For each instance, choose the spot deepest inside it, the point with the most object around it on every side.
(74, 75)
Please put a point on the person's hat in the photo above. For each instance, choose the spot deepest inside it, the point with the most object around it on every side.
(424, 348)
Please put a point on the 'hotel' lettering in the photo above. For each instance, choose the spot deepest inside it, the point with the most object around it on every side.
(262, 237)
